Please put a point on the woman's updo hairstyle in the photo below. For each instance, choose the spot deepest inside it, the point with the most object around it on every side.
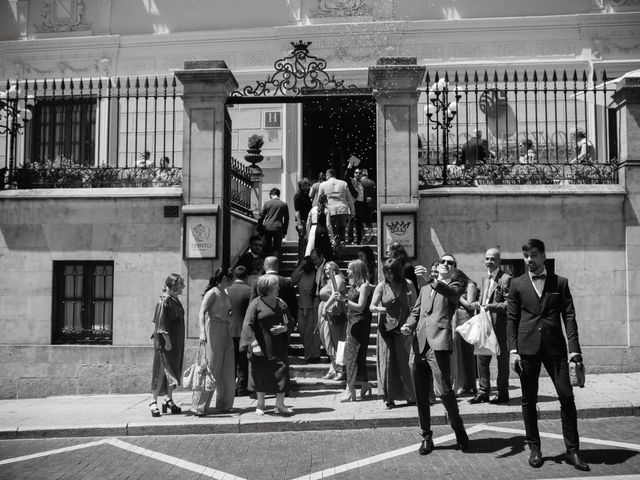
(171, 281)
(215, 279)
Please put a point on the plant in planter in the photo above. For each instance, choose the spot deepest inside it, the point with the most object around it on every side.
(255, 144)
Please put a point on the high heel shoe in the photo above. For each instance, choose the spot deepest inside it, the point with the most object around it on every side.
(366, 390)
(283, 410)
(154, 410)
(169, 404)
(349, 395)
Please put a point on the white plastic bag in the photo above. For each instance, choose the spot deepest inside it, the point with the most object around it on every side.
(478, 331)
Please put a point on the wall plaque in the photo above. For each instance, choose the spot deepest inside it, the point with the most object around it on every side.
(200, 236)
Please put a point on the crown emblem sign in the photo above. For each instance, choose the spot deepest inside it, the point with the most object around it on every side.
(397, 227)
(200, 233)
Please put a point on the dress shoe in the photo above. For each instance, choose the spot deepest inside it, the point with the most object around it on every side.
(339, 377)
(535, 458)
(390, 405)
(573, 459)
(462, 439)
(427, 446)
(498, 399)
(480, 398)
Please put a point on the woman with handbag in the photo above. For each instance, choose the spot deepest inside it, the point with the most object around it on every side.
(264, 338)
(217, 340)
(332, 317)
(168, 343)
(357, 302)
(392, 300)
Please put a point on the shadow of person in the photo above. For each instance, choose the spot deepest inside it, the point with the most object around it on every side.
(477, 444)
(607, 456)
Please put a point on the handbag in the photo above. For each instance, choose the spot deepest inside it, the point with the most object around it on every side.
(198, 377)
(576, 374)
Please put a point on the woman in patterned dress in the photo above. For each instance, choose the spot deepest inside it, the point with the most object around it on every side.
(168, 343)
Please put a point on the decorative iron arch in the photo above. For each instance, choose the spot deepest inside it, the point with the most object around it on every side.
(299, 74)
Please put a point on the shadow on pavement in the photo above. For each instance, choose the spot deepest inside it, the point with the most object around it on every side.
(609, 456)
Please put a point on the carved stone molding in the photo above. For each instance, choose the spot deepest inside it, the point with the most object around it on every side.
(22, 15)
(343, 8)
(60, 16)
(552, 49)
(623, 5)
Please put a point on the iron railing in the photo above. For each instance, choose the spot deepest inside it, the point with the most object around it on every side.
(102, 132)
(532, 128)
(240, 188)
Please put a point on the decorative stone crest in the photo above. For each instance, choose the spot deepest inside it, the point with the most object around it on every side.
(342, 8)
(63, 16)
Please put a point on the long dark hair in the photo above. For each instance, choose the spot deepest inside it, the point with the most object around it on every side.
(215, 279)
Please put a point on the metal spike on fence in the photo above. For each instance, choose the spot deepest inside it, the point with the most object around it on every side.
(173, 83)
(594, 77)
(544, 76)
(164, 84)
(535, 76)
(554, 77)
(466, 77)
(564, 76)
(495, 76)
(584, 76)
(446, 76)
(525, 78)
(455, 77)
(485, 78)
(436, 79)
(575, 76)
(604, 76)
(515, 77)
(475, 76)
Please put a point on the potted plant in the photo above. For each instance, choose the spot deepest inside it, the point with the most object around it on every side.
(254, 155)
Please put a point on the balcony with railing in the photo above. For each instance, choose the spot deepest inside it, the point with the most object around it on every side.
(91, 133)
(517, 128)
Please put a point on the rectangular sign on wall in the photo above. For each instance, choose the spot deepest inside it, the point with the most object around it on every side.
(271, 119)
(400, 227)
(200, 236)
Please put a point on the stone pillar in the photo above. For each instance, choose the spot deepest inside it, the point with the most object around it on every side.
(395, 81)
(627, 98)
(207, 85)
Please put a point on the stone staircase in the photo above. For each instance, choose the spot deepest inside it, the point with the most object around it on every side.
(306, 376)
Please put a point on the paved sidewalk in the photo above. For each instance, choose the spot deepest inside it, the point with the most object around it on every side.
(606, 395)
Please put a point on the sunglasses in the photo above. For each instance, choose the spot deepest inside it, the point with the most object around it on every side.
(447, 262)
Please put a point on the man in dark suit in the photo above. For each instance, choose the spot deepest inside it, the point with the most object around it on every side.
(474, 150)
(239, 297)
(430, 356)
(539, 303)
(493, 297)
(252, 259)
(273, 222)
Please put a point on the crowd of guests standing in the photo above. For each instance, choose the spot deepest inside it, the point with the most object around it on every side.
(245, 327)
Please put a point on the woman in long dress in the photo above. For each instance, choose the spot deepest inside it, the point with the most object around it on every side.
(216, 335)
(264, 338)
(357, 303)
(366, 254)
(463, 360)
(319, 230)
(392, 300)
(168, 343)
(332, 327)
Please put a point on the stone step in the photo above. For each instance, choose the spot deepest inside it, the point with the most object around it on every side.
(301, 384)
(299, 369)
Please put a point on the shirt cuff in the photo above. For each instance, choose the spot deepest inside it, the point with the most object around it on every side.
(571, 355)
(513, 351)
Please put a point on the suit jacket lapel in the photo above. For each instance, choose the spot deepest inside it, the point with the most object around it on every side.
(549, 286)
(432, 299)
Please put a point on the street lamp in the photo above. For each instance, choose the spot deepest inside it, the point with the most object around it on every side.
(15, 112)
(441, 112)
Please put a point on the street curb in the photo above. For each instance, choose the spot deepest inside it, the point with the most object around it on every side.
(267, 424)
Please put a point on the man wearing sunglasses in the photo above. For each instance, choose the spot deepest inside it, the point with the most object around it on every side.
(430, 322)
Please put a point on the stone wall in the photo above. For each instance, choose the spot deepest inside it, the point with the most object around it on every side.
(584, 231)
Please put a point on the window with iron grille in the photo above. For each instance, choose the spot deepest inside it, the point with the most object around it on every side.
(82, 302)
(64, 128)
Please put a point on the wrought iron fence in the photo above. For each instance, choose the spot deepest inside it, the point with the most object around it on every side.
(240, 188)
(103, 132)
(518, 128)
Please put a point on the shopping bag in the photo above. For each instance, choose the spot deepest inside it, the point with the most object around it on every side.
(340, 353)
(487, 343)
(198, 377)
(470, 330)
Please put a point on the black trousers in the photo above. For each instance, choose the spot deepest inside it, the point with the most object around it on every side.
(434, 366)
(273, 242)
(484, 361)
(558, 369)
(242, 366)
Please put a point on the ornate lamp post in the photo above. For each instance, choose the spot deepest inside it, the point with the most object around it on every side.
(441, 112)
(15, 112)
